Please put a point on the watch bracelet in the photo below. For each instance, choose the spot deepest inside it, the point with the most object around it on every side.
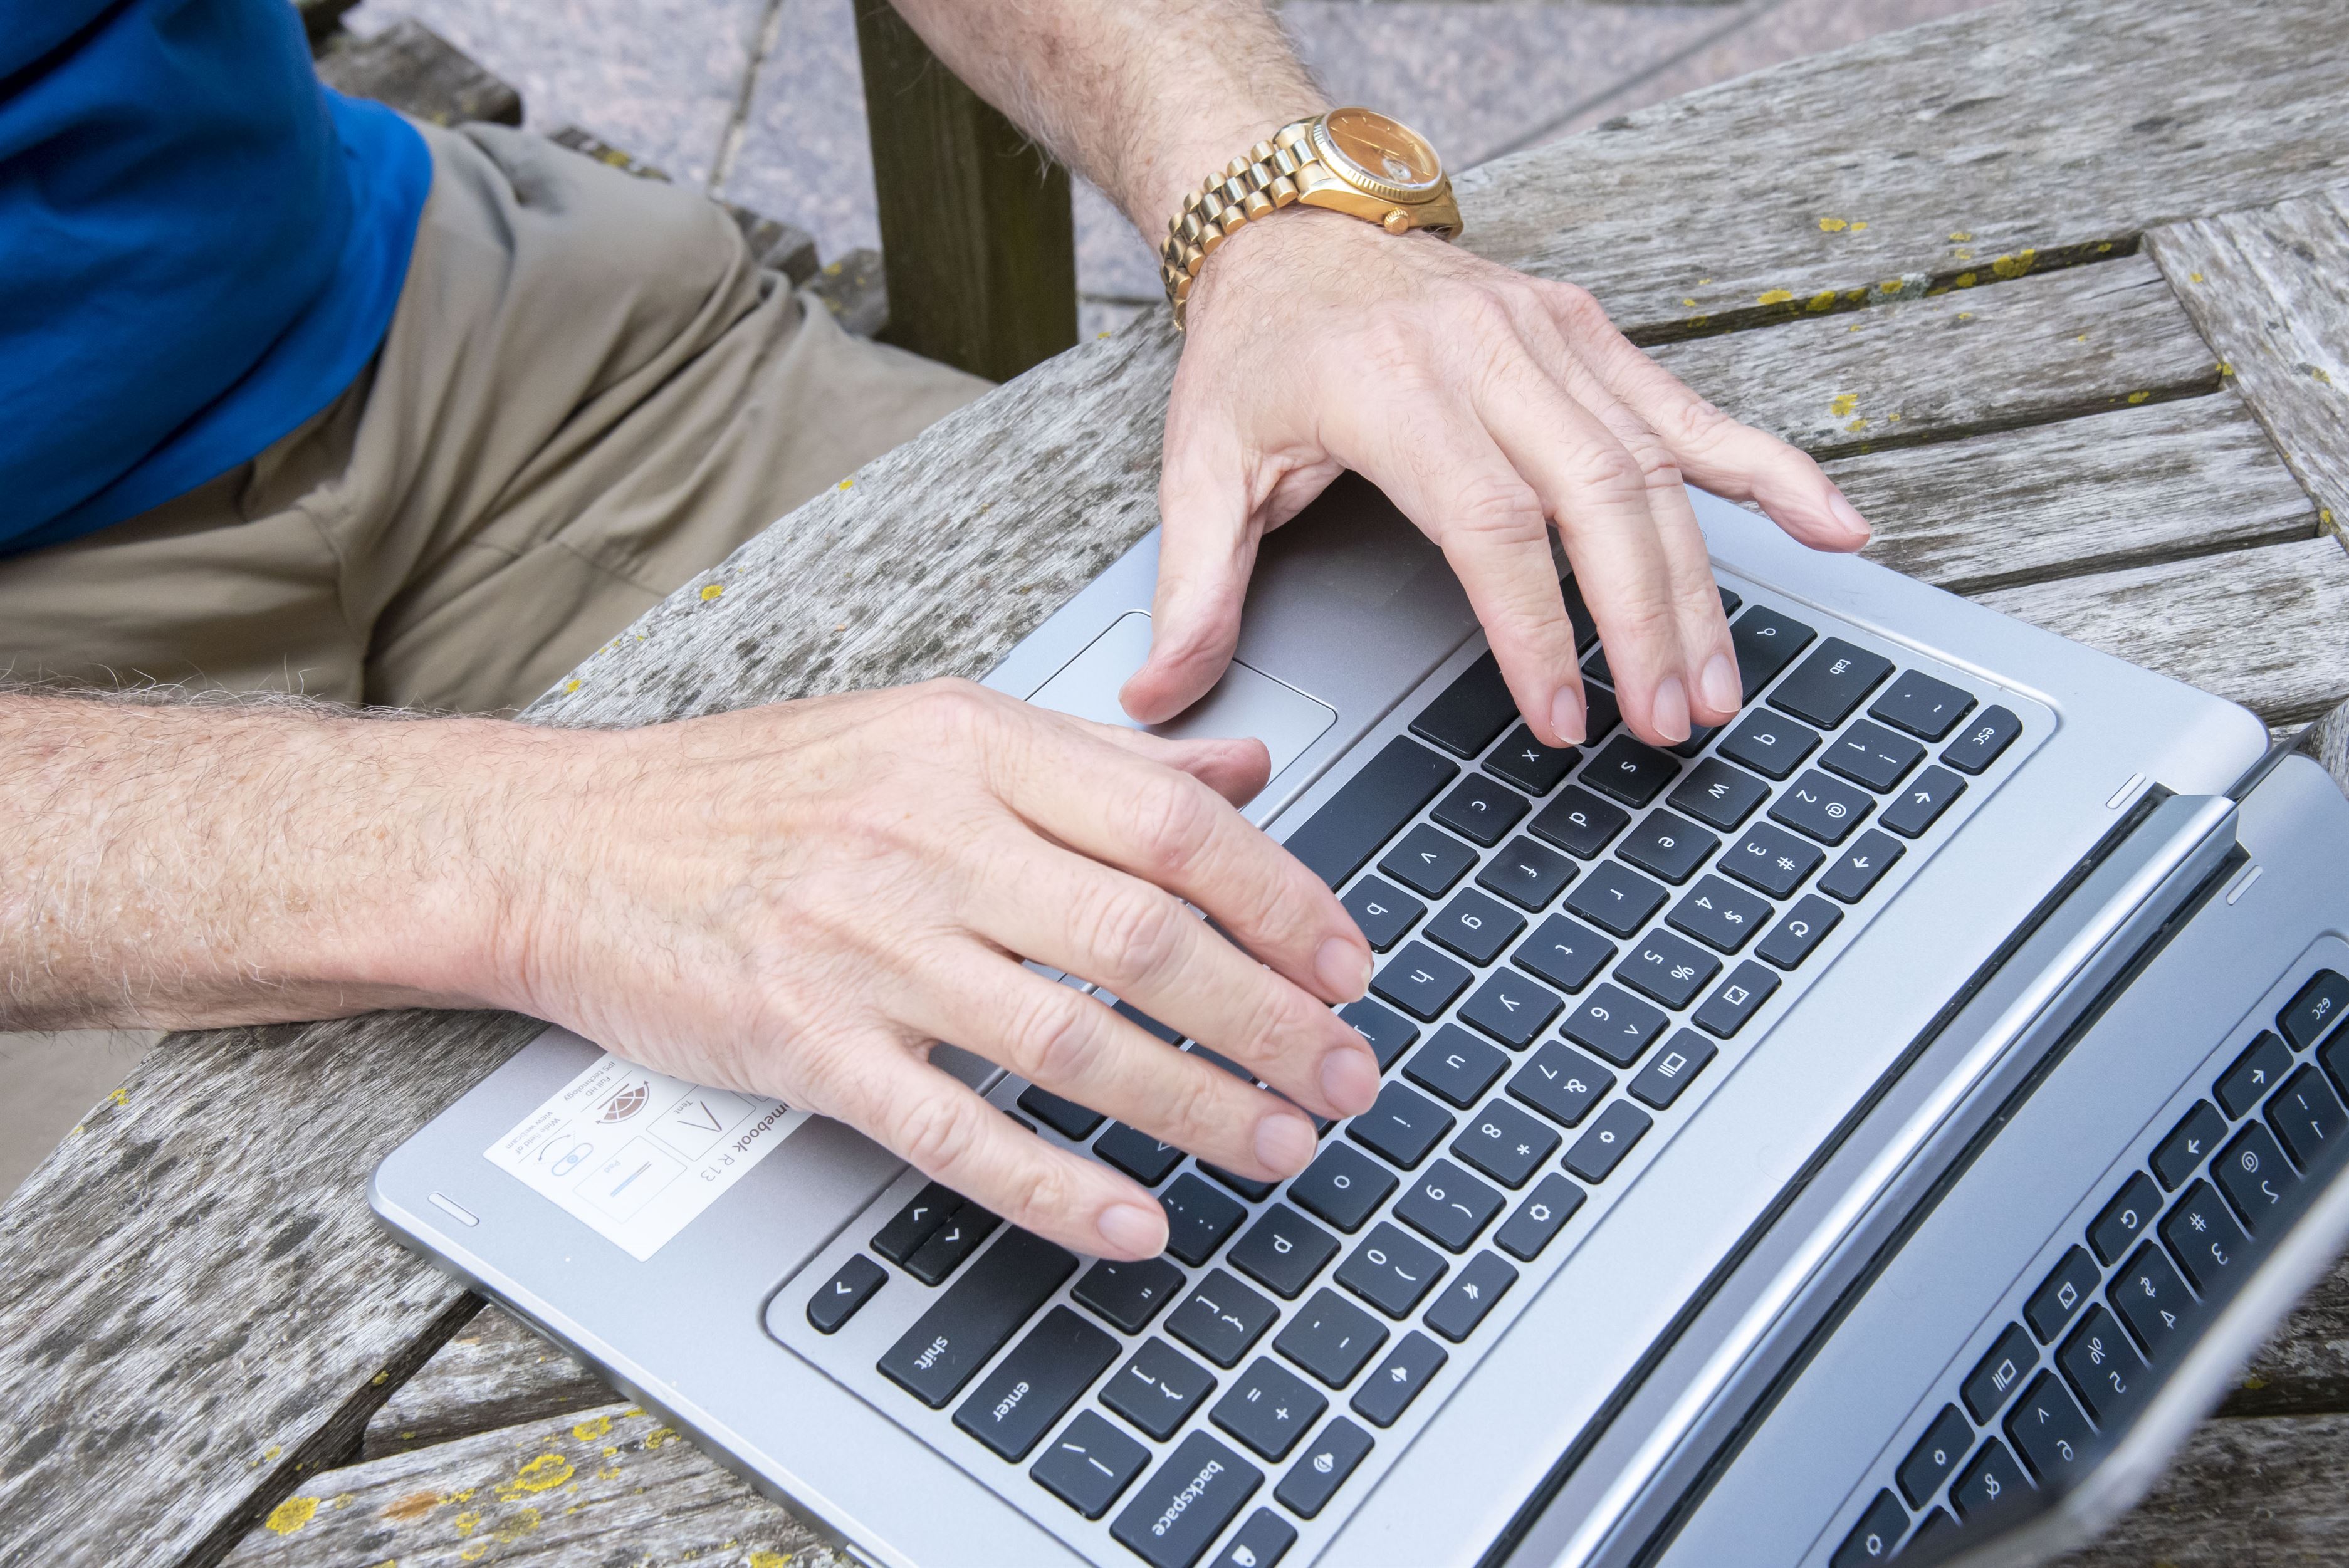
(1259, 182)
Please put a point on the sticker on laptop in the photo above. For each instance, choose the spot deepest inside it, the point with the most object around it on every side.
(638, 1155)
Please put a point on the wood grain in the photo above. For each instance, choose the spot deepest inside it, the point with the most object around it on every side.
(2270, 289)
(2244, 1494)
(418, 72)
(497, 1371)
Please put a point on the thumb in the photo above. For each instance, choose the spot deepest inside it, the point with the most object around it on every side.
(1207, 547)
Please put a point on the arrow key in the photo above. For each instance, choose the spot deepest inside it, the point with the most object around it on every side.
(1870, 856)
(2189, 1143)
(836, 1301)
(1921, 801)
(1458, 1311)
(2258, 1071)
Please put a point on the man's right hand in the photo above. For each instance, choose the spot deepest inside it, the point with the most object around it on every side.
(795, 899)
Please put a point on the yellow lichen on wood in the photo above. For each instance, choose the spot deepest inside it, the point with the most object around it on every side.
(291, 1515)
(1833, 225)
(591, 1430)
(712, 591)
(1774, 297)
(1843, 403)
(543, 1473)
(765, 1559)
(1822, 301)
(2016, 265)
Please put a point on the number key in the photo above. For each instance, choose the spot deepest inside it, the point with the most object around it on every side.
(1561, 1083)
(1871, 755)
(1719, 914)
(1505, 1143)
(1616, 1025)
(1823, 808)
(1343, 1186)
(1667, 968)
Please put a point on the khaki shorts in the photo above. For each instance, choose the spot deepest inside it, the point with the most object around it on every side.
(588, 394)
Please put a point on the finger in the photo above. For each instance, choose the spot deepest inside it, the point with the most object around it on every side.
(1206, 548)
(1236, 767)
(1722, 455)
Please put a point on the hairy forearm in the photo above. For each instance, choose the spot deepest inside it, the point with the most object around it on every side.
(173, 864)
(1143, 101)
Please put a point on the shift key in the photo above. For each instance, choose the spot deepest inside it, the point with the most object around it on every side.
(976, 1316)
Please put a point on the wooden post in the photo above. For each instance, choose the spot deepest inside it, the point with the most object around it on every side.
(977, 238)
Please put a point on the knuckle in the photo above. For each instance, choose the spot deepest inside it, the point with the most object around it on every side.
(1498, 506)
(953, 707)
(1195, 1109)
(1698, 426)
(934, 1132)
(1608, 466)
(1578, 307)
(1170, 822)
(1133, 932)
(1053, 1040)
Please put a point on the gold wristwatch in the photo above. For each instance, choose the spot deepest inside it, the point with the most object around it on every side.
(1351, 160)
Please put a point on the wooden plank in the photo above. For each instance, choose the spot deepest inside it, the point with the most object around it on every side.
(2327, 740)
(418, 72)
(609, 1484)
(497, 1371)
(2266, 286)
(2243, 1493)
(2303, 1369)
(978, 234)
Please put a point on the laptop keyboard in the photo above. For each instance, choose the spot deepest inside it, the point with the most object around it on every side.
(2128, 1297)
(1569, 939)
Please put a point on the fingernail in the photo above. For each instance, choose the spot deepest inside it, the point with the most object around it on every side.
(1344, 968)
(1350, 1080)
(1284, 1142)
(1670, 711)
(1127, 1229)
(1721, 690)
(1566, 716)
(1847, 515)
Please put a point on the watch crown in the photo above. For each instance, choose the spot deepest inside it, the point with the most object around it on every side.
(1396, 222)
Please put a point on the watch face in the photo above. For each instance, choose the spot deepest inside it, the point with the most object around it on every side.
(1386, 153)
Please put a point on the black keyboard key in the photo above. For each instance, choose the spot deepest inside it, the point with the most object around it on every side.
(1158, 1388)
(1827, 686)
(1577, 615)
(1065, 1116)
(1990, 1479)
(1505, 1143)
(1875, 1537)
(1330, 1337)
(1598, 1151)
(1129, 1293)
(2050, 1431)
(1428, 861)
(1370, 808)
(1825, 809)
(1221, 1318)
(2073, 1279)
(1476, 927)
(1185, 1504)
(2313, 1009)
(1409, 1366)
(1388, 1032)
(1673, 1068)
(1922, 802)
(1512, 1008)
(1998, 1374)
(1719, 914)
(1667, 968)
(1616, 900)
(1198, 1219)
(1870, 755)
(2204, 1238)
(1456, 1065)
(2102, 1366)
(1481, 810)
(1561, 1083)
(1527, 873)
(1467, 715)
(2262, 1066)
(1261, 1542)
(1805, 926)
(2307, 1116)
(1283, 1251)
(1448, 1206)
(1767, 641)
(1137, 1153)
(2122, 1224)
(1143, 1021)
(1402, 1126)
(1217, 1060)
(1090, 1464)
(1391, 1271)
(1322, 1468)
(1770, 743)
(1925, 707)
(951, 1243)
(1718, 795)
(1729, 600)
(1851, 878)
(1579, 822)
(1034, 1386)
(2258, 1180)
(1384, 912)
(1981, 742)
(1421, 981)
(1772, 860)
(1268, 1409)
(1737, 999)
(916, 1223)
(1465, 1302)
(837, 1299)
(1669, 846)
(2177, 1157)
(1632, 772)
(1540, 1217)
(1935, 1457)
(1601, 714)
(1616, 1025)
(1343, 1186)
(1530, 765)
(1564, 953)
(2154, 1302)
(1936, 1537)
(1597, 668)
(971, 1321)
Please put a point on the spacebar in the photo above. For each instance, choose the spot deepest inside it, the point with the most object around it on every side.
(976, 1316)
(1370, 808)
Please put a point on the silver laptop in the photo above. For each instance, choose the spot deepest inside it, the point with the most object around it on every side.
(1877, 1128)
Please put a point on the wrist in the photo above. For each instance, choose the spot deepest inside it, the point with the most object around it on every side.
(1180, 164)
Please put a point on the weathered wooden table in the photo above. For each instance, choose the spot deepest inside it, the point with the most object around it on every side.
(2059, 292)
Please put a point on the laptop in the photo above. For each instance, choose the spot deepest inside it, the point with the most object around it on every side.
(1878, 1129)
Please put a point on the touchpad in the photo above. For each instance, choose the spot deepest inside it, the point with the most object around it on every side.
(1245, 702)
